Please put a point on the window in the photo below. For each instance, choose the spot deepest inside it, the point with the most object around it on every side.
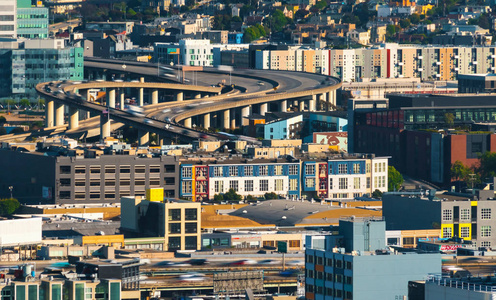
(264, 170)
(278, 170)
(125, 169)
(218, 171)
(309, 169)
(65, 169)
(293, 184)
(190, 227)
(343, 183)
(368, 182)
(310, 182)
(191, 214)
(190, 242)
(486, 214)
(447, 232)
(447, 214)
(248, 170)
(293, 170)
(174, 243)
(464, 232)
(356, 168)
(367, 168)
(338, 263)
(233, 171)
(485, 231)
(111, 170)
(233, 184)
(248, 185)
(356, 182)
(294, 243)
(187, 187)
(174, 214)
(485, 244)
(310, 258)
(95, 169)
(174, 228)
(187, 172)
(279, 184)
(154, 169)
(219, 186)
(264, 185)
(65, 182)
(342, 168)
(80, 169)
(465, 214)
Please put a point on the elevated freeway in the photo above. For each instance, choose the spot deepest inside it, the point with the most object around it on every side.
(217, 98)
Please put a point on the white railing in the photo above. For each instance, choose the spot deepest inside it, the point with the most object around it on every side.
(458, 284)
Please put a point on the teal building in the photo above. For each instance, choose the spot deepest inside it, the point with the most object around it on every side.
(32, 22)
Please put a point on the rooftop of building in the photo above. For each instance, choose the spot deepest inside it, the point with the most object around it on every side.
(303, 212)
(66, 227)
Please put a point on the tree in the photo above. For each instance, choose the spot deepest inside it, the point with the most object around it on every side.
(395, 179)
(270, 196)
(3, 131)
(2, 120)
(377, 194)
(449, 119)
(218, 197)
(459, 171)
(250, 198)
(405, 23)
(24, 102)
(17, 130)
(487, 165)
(232, 195)
(8, 206)
(415, 18)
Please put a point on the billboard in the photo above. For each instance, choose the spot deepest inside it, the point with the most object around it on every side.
(172, 50)
(339, 139)
(20, 232)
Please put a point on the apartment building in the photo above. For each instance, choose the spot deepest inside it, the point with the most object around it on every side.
(357, 265)
(326, 177)
(58, 288)
(178, 222)
(94, 177)
(433, 62)
(468, 218)
(187, 52)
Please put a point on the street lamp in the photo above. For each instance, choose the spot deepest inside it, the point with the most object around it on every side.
(11, 188)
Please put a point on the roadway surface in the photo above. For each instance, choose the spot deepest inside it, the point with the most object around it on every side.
(251, 87)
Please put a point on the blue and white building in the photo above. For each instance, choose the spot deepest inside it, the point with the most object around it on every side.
(356, 264)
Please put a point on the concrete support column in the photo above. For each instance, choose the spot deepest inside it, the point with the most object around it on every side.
(143, 137)
(312, 104)
(197, 95)
(73, 118)
(284, 105)
(323, 98)
(142, 79)
(88, 96)
(122, 103)
(206, 121)
(331, 99)
(187, 122)
(161, 141)
(155, 96)
(49, 110)
(88, 114)
(59, 114)
(111, 98)
(245, 112)
(141, 92)
(104, 126)
(263, 109)
(233, 118)
(227, 118)
(179, 96)
(302, 105)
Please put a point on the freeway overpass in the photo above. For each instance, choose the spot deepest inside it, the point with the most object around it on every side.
(205, 104)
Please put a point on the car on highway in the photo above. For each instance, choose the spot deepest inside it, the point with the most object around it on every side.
(268, 262)
(166, 110)
(260, 83)
(164, 264)
(288, 273)
(167, 119)
(243, 262)
(203, 136)
(185, 131)
(192, 277)
(295, 263)
(148, 121)
(198, 261)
